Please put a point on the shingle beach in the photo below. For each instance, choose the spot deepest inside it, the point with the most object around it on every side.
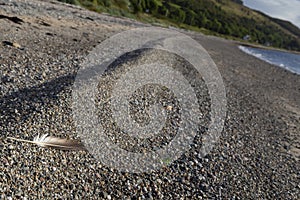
(42, 46)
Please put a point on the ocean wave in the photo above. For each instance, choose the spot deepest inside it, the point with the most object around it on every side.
(288, 61)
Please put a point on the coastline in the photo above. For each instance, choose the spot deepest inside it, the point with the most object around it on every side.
(270, 56)
(247, 44)
(257, 156)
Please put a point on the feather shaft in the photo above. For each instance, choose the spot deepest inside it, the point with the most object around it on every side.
(54, 142)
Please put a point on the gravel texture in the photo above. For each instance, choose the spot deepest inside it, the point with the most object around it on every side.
(42, 45)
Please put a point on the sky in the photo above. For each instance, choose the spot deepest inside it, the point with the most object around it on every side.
(282, 9)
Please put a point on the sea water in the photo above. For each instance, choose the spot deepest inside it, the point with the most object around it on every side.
(289, 61)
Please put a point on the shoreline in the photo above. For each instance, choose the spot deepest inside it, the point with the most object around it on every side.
(289, 68)
(247, 44)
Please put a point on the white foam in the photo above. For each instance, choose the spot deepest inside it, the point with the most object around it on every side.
(249, 51)
(266, 59)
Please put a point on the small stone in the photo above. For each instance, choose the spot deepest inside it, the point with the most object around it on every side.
(13, 44)
(17, 45)
(169, 108)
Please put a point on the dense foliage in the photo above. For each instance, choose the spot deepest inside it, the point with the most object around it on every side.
(211, 15)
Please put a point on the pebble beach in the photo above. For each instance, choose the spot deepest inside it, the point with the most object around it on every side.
(42, 46)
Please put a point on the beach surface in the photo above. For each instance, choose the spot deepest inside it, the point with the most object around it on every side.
(42, 46)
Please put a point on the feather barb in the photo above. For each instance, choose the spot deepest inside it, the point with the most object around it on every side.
(54, 142)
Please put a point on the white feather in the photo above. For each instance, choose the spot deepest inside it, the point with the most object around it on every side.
(54, 142)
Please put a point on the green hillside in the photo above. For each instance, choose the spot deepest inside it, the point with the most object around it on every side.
(228, 18)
